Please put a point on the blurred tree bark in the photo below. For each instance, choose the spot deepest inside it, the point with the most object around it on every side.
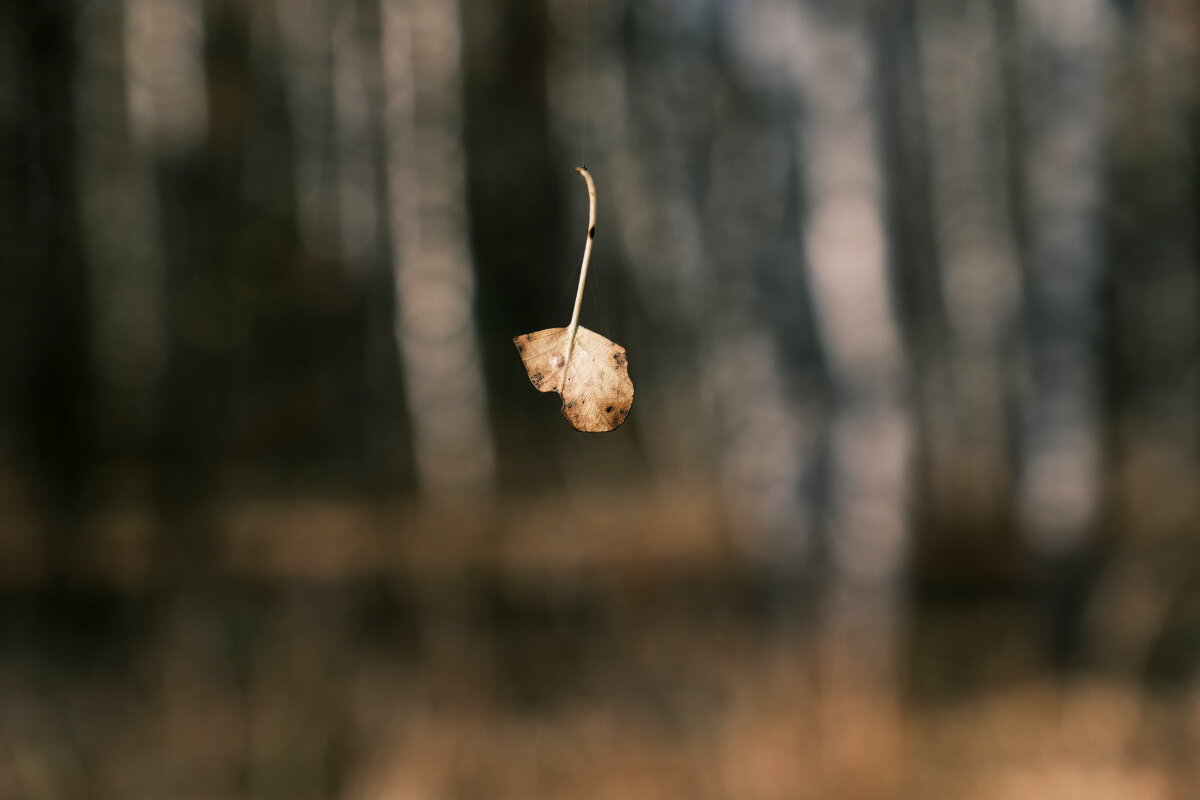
(1061, 447)
(54, 380)
(1151, 352)
(199, 171)
(967, 382)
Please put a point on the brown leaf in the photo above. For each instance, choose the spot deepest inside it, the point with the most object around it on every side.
(598, 392)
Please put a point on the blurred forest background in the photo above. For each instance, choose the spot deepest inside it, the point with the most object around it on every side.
(908, 502)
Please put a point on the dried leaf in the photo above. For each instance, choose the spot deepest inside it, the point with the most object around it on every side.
(597, 393)
(589, 371)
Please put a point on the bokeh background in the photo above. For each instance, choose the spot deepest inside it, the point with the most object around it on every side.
(908, 503)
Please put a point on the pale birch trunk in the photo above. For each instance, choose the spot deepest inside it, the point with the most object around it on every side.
(431, 260)
(826, 57)
(846, 246)
(141, 98)
(1062, 100)
(306, 38)
(356, 88)
(694, 261)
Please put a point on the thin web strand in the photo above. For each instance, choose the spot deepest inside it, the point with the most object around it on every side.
(587, 105)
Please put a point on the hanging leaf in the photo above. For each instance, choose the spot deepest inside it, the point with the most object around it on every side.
(590, 372)
(596, 389)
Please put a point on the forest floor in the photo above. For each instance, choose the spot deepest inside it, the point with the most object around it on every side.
(635, 656)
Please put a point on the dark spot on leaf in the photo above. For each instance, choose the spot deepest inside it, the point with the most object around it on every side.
(537, 378)
(619, 358)
(592, 232)
(571, 404)
(624, 410)
(529, 337)
(607, 410)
